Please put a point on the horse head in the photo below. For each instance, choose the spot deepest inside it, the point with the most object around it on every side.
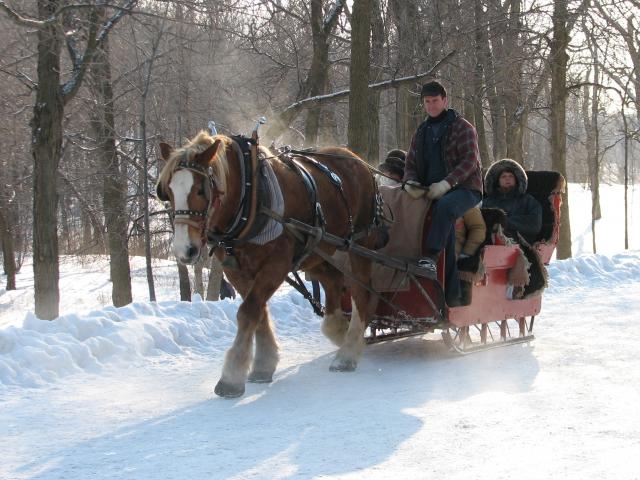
(194, 182)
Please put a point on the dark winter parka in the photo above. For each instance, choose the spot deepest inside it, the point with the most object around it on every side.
(524, 213)
(459, 154)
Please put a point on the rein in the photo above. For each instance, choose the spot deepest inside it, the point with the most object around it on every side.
(288, 149)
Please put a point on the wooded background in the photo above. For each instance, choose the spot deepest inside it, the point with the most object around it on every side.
(90, 88)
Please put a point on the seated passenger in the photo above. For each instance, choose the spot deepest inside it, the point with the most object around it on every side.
(393, 166)
(505, 187)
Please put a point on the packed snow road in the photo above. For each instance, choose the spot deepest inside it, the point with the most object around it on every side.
(128, 393)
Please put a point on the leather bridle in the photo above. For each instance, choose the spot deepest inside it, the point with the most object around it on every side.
(185, 217)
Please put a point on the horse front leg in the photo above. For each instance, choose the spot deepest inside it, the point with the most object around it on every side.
(253, 319)
(238, 357)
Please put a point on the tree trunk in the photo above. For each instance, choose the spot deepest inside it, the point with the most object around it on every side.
(145, 198)
(626, 177)
(46, 148)
(559, 59)
(92, 229)
(405, 13)
(495, 56)
(113, 185)
(375, 74)
(183, 129)
(215, 279)
(316, 81)
(146, 84)
(185, 284)
(357, 132)
(65, 235)
(514, 97)
(318, 77)
(198, 280)
(8, 251)
(590, 119)
(480, 41)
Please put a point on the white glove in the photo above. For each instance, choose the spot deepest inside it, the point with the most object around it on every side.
(414, 189)
(437, 190)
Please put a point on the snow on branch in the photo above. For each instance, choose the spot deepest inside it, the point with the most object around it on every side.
(332, 15)
(394, 82)
(95, 40)
(19, 19)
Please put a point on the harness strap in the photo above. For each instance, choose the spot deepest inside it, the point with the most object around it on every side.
(378, 218)
(297, 283)
(337, 182)
(318, 220)
(253, 198)
(296, 227)
(247, 212)
(199, 224)
(191, 213)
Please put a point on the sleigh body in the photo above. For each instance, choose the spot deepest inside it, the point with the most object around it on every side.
(496, 313)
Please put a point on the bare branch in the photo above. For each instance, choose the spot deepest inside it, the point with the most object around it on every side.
(70, 88)
(286, 116)
(19, 19)
(395, 82)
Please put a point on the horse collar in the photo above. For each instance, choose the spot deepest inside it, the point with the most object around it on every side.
(241, 229)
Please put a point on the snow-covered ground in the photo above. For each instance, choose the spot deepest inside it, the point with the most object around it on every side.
(128, 393)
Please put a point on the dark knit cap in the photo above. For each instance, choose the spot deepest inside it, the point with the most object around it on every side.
(394, 163)
(432, 89)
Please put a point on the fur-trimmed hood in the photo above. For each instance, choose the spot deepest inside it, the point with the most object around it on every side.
(496, 169)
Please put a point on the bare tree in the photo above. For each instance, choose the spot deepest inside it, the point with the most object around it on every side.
(359, 75)
(51, 98)
(322, 26)
(8, 253)
(114, 184)
(404, 14)
(378, 35)
(158, 28)
(559, 60)
(621, 16)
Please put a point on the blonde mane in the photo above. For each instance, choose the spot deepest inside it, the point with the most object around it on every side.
(188, 152)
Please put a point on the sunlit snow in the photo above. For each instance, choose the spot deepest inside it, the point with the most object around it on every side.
(127, 393)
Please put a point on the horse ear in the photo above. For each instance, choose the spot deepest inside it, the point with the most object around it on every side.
(165, 150)
(208, 154)
(160, 192)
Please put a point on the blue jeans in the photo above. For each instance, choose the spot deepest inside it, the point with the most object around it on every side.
(450, 207)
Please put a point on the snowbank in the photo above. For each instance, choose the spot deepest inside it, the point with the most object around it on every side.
(40, 352)
(43, 351)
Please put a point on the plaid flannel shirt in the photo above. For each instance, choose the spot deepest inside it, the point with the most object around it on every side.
(460, 152)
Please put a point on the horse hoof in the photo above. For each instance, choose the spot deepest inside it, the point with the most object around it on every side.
(343, 365)
(228, 390)
(260, 377)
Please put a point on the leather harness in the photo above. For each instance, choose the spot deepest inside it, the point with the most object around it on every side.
(252, 213)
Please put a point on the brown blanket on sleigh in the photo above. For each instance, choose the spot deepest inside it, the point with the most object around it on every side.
(406, 217)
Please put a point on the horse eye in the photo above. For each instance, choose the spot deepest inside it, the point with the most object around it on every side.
(201, 192)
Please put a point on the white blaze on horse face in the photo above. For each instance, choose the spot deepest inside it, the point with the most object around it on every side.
(180, 185)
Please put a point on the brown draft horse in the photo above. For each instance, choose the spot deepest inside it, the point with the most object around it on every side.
(204, 176)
